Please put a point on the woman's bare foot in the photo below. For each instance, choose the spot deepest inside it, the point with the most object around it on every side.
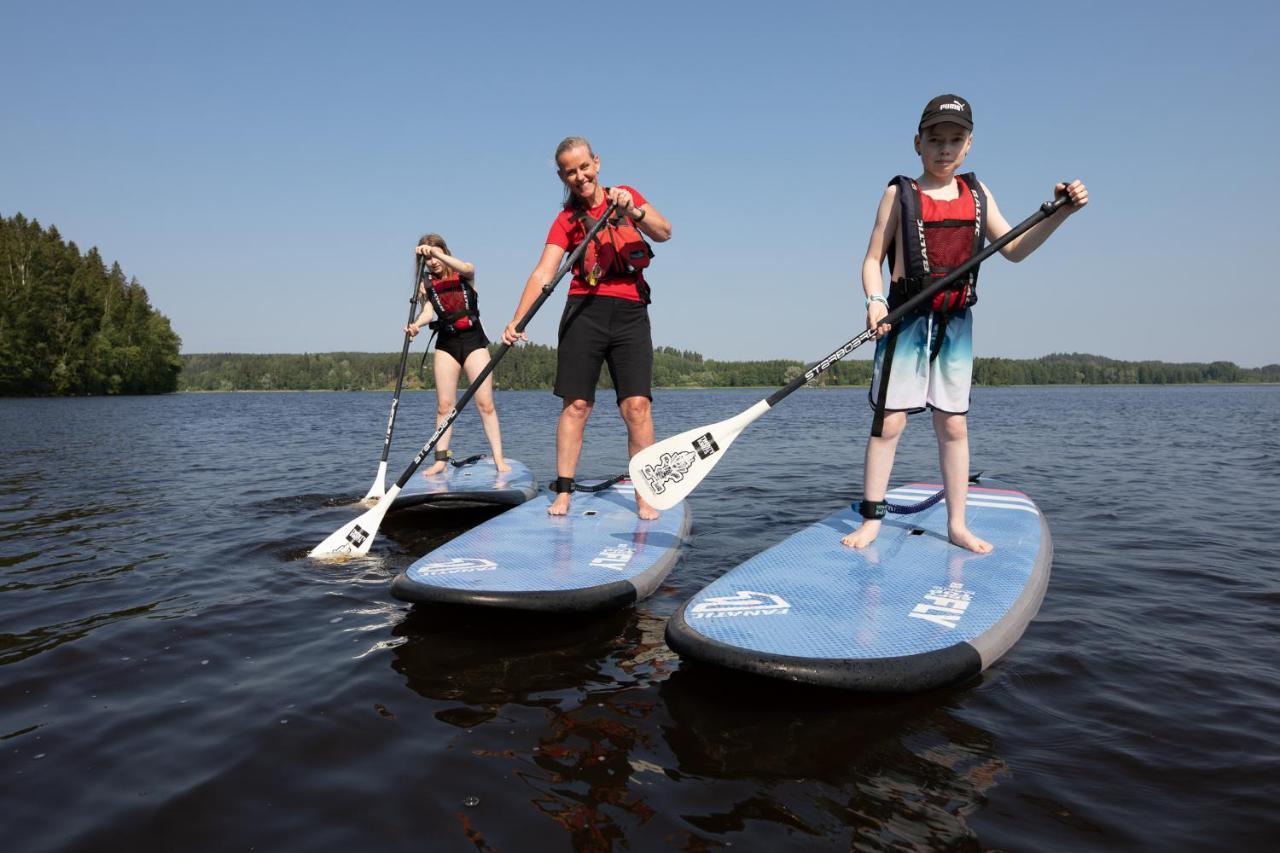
(560, 506)
(436, 468)
(501, 465)
(643, 509)
(864, 535)
(963, 537)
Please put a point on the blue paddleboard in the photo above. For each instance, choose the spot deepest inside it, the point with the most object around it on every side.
(599, 556)
(478, 483)
(909, 612)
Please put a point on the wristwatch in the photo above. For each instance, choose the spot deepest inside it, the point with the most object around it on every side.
(877, 298)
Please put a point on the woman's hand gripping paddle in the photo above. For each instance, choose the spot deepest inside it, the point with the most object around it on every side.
(665, 473)
(355, 538)
(376, 490)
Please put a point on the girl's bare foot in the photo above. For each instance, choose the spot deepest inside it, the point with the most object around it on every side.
(501, 465)
(864, 535)
(435, 469)
(560, 506)
(962, 536)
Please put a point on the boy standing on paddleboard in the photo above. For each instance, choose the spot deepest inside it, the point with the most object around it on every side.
(926, 227)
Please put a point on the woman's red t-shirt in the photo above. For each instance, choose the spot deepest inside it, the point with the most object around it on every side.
(567, 232)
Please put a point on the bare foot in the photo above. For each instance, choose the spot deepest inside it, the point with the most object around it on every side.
(643, 509)
(560, 506)
(864, 535)
(501, 465)
(435, 469)
(963, 537)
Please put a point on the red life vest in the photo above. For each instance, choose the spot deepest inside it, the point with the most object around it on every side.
(455, 301)
(618, 250)
(938, 236)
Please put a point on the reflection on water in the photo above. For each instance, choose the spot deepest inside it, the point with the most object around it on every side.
(894, 769)
(177, 675)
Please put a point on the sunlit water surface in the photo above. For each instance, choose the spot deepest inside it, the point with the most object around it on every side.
(176, 674)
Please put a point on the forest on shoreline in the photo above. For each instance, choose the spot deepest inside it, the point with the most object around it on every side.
(533, 367)
(69, 325)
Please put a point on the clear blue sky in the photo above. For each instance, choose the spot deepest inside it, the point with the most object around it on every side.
(264, 169)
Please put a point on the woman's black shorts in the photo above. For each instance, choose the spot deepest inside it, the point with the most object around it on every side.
(604, 329)
(462, 344)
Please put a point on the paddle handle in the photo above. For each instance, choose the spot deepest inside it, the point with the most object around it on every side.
(404, 358)
(505, 347)
(1044, 212)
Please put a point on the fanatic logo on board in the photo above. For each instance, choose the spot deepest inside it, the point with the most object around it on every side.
(744, 603)
(944, 605)
(614, 558)
(457, 566)
(670, 468)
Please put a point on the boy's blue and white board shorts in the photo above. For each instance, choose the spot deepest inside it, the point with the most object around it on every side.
(915, 382)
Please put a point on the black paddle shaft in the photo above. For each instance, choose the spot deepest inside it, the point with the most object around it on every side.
(1046, 210)
(505, 347)
(404, 356)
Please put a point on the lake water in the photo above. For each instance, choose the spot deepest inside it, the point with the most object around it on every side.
(176, 674)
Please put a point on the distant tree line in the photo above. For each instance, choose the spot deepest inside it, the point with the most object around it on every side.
(70, 325)
(1081, 369)
(534, 366)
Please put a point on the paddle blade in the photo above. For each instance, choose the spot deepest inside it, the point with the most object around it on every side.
(355, 539)
(665, 473)
(377, 490)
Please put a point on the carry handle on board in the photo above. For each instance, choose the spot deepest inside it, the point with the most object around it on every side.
(665, 473)
(377, 490)
(355, 538)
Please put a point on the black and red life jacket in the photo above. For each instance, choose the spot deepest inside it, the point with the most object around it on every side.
(932, 248)
(618, 251)
(455, 302)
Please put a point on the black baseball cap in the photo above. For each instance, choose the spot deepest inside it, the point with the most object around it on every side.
(947, 108)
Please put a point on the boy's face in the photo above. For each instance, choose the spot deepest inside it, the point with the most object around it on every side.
(942, 148)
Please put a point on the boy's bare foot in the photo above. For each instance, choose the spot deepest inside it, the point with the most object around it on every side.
(864, 535)
(501, 465)
(963, 537)
(435, 469)
(560, 506)
(643, 509)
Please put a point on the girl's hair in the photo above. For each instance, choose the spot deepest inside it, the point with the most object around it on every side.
(571, 200)
(432, 240)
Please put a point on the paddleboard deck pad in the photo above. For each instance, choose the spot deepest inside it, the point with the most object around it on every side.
(599, 556)
(909, 612)
(478, 483)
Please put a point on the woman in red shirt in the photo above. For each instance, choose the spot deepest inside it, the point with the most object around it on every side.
(606, 316)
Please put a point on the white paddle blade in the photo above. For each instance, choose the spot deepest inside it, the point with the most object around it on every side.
(665, 473)
(355, 539)
(377, 490)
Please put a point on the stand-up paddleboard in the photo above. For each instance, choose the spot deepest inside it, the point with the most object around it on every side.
(909, 612)
(599, 556)
(477, 482)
